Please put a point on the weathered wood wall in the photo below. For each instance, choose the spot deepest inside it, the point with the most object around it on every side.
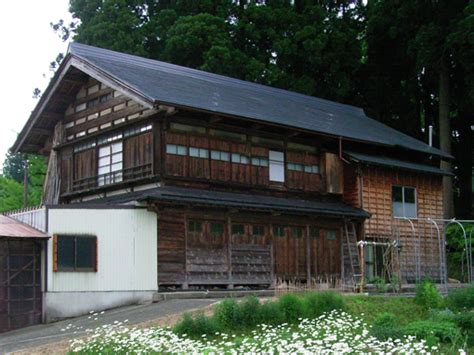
(244, 249)
(208, 169)
(377, 199)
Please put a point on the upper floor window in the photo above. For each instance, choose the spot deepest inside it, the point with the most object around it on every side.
(176, 149)
(403, 201)
(110, 164)
(277, 166)
(258, 161)
(198, 152)
(220, 155)
(240, 158)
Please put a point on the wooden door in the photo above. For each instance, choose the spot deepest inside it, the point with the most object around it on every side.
(289, 245)
(20, 284)
(325, 251)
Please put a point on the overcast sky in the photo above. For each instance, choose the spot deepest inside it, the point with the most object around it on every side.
(28, 46)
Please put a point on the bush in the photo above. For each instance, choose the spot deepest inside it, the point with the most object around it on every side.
(441, 315)
(461, 299)
(427, 295)
(386, 326)
(315, 304)
(291, 307)
(227, 314)
(270, 313)
(445, 332)
(196, 327)
(249, 312)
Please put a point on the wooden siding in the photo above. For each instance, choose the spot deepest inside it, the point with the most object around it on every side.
(377, 199)
(251, 255)
(104, 108)
(231, 172)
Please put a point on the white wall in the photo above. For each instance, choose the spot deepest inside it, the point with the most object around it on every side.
(127, 249)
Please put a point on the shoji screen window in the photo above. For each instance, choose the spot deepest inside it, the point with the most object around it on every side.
(110, 164)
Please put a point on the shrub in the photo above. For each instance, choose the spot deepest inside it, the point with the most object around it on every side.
(291, 307)
(385, 326)
(270, 313)
(427, 295)
(445, 332)
(196, 327)
(461, 299)
(227, 314)
(315, 304)
(441, 315)
(249, 312)
(465, 321)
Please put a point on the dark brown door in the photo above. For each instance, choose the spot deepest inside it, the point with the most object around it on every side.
(20, 284)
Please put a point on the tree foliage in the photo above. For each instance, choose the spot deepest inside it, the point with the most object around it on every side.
(12, 181)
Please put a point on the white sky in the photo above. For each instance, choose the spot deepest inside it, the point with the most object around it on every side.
(28, 45)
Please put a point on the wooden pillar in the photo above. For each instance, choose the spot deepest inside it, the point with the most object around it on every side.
(308, 256)
(185, 284)
(272, 258)
(362, 268)
(229, 253)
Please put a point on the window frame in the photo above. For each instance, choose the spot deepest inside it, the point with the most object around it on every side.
(276, 166)
(111, 176)
(403, 202)
(94, 257)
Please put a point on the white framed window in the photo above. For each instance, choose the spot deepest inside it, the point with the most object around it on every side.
(295, 166)
(176, 149)
(404, 201)
(110, 164)
(311, 169)
(277, 166)
(198, 152)
(259, 161)
(240, 158)
(220, 155)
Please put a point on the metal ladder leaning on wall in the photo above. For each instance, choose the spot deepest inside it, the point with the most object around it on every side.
(351, 257)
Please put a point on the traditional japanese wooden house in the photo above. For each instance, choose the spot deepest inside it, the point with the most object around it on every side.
(161, 175)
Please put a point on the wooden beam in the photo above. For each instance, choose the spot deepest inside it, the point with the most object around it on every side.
(215, 119)
(52, 115)
(32, 147)
(256, 127)
(293, 134)
(42, 131)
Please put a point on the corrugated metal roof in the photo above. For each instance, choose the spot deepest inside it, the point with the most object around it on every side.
(11, 228)
(395, 163)
(176, 85)
(242, 201)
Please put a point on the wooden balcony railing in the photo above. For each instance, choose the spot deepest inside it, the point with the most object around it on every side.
(116, 177)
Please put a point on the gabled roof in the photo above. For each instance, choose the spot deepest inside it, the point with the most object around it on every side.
(378, 160)
(11, 228)
(244, 201)
(154, 82)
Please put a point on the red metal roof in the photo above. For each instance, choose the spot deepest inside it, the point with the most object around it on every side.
(11, 228)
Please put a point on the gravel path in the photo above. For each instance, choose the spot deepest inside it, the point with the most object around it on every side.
(61, 332)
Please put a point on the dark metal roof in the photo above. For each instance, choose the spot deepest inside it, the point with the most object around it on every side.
(244, 201)
(395, 163)
(11, 228)
(159, 82)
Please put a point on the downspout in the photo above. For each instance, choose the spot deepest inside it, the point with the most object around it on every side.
(340, 151)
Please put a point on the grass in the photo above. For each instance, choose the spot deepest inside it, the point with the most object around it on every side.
(370, 307)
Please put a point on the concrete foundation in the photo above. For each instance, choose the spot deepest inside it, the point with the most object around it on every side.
(61, 305)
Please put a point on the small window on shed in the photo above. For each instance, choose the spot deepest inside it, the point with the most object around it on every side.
(194, 226)
(238, 229)
(297, 232)
(331, 234)
(258, 230)
(217, 228)
(314, 232)
(75, 253)
(278, 231)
